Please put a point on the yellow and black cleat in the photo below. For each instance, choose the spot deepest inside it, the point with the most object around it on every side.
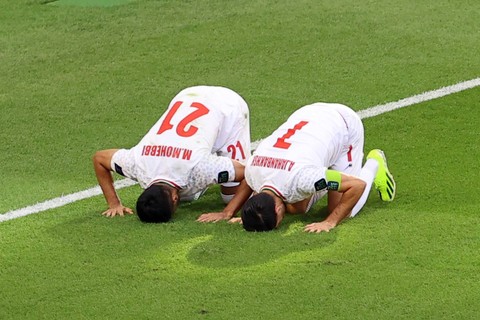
(383, 181)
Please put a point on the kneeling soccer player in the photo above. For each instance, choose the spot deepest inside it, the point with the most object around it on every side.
(317, 151)
(203, 138)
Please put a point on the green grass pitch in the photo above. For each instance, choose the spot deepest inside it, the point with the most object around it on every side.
(76, 78)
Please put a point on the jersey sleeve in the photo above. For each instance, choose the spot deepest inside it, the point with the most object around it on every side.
(311, 180)
(318, 179)
(212, 169)
(317, 182)
(123, 163)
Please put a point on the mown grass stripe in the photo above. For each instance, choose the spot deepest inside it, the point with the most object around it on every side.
(87, 3)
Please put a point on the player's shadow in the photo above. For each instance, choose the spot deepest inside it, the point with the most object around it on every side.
(230, 246)
(95, 237)
(183, 240)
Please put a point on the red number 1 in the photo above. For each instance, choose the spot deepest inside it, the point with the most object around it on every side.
(281, 143)
(166, 124)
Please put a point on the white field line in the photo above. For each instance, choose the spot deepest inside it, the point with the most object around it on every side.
(61, 201)
(366, 113)
(426, 96)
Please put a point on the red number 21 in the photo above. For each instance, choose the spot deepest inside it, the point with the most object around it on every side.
(233, 149)
(166, 124)
(281, 143)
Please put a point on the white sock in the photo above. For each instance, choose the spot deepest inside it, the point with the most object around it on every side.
(367, 174)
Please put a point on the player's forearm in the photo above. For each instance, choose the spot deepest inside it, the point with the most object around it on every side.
(344, 208)
(105, 180)
(241, 196)
(109, 191)
(339, 214)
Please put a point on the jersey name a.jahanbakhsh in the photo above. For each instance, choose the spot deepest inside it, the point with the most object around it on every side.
(297, 155)
(192, 143)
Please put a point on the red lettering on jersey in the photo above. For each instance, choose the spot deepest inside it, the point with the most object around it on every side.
(201, 111)
(233, 150)
(166, 125)
(167, 152)
(273, 163)
(187, 153)
(182, 125)
(176, 152)
(281, 143)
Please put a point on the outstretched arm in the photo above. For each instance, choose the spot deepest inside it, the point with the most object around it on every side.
(101, 164)
(241, 196)
(340, 202)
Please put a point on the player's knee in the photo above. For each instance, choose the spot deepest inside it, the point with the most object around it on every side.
(228, 190)
(227, 197)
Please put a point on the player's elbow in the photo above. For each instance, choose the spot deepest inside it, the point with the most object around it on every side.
(97, 158)
(239, 171)
(103, 158)
(100, 158)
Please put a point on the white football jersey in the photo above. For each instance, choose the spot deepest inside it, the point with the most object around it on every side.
(192, 144)
(293, 160)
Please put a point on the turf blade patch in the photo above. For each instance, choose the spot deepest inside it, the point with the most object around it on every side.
(89, 3)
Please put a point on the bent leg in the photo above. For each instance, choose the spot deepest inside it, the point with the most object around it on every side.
(367, 174)
(228, 190)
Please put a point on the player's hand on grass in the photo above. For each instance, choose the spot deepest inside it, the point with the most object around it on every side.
(213, 217)
(323, 226)
(119, 210)
(235, 220)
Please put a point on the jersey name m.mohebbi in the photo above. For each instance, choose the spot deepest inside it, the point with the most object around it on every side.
(182, 147)
(297, 155)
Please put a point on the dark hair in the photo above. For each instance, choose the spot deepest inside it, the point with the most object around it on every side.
(258, 213)
(155, 204)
